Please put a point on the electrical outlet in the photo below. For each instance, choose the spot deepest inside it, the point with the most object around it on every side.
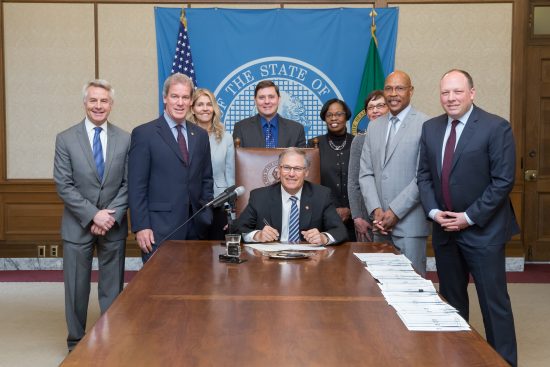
(41, 250)
(54, 251)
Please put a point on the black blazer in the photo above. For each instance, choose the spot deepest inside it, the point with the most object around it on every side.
(482, 177)
(249, 130)
(316, 211)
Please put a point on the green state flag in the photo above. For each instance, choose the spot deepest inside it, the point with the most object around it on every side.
(372, 79)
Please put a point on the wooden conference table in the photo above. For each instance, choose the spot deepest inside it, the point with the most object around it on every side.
(185, 308)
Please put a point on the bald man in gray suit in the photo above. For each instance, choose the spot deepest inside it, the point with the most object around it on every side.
(90, 170)
(388, 173)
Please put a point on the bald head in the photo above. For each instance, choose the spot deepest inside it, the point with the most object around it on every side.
(398, 91)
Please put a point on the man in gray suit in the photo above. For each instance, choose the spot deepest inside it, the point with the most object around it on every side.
(90, 170)
(268, 129)
(388, 173)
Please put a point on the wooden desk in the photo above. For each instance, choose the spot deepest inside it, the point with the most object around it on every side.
(184, 308)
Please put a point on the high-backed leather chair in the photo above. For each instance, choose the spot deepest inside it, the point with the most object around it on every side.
(258, 167)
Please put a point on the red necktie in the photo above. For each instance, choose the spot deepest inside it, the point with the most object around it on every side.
(447, 164)
(182, 144)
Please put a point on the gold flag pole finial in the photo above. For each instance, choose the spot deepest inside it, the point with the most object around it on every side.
(183, 19)
(373, 15)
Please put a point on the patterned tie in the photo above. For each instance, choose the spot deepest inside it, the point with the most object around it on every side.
(393, 129)
(294, 221)
(182, 144)
(269, 141)
(447, 163)
(98, 153)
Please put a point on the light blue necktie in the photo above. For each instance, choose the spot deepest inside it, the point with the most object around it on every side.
(98, 153)
(294, 221)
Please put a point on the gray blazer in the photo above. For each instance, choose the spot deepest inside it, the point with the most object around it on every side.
(249, 130)
(79, 187)
(223, 162)
(356, 201)
(393, 184)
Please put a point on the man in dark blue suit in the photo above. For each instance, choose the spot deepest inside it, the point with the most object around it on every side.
(465, 174)
(169, 172)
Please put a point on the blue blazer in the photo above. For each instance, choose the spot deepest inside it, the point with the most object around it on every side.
(482, 177)
(162, 189)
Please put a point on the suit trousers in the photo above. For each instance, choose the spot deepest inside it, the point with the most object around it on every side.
(455, 262)
(414, 249)
(77, 269)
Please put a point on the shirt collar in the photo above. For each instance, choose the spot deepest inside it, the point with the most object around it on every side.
(401, 115)
(90, 126)
(172, 124)
(274, 121)
(464, 118)
(286, 196)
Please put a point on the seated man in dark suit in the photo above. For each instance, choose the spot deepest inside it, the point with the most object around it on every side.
(268, 129)
(293, 209)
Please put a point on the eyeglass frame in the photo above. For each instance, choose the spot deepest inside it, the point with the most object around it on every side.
(378, 106)
(330, 115)
(288, 169)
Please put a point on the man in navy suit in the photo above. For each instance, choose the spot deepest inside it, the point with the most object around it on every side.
(169, 172)
(268, 215)
(268, 129)
(466, 172)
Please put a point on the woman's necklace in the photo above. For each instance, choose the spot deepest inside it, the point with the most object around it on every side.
(337, 147)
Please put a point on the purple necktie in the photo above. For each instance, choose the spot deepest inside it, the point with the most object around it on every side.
(182, 144)
(447, 164)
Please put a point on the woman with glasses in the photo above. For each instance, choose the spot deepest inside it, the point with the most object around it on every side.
(334, 150)
(205, 112)
(375, 106)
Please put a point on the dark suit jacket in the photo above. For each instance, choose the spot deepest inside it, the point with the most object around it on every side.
(482, 176)
(316, 211)
(80, 188)
(162, 188)
(249, 130)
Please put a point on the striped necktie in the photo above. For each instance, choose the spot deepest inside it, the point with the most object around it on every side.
(98, 153)
(294, 221)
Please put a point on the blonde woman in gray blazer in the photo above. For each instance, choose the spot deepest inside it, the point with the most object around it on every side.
(205, 112)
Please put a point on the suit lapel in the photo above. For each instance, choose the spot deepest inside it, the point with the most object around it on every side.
(83, 140)
(191, 139)
(111, 149)
(277, 205)
(306, 201)
(439, 136)
(466, 136)
(258, 131)
(164, 131)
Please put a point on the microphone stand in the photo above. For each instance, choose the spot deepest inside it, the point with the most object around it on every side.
(230, 213)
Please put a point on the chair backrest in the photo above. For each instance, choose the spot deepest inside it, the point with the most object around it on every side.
(258, 167)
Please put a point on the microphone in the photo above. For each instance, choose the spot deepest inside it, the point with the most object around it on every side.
(228, 194)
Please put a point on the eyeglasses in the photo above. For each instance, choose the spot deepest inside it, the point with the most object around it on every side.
(378, 106)
(399, 89)
(330, 115)
(287, 169)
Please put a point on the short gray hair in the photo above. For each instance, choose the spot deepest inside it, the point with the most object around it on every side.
(99, 83)
(297, 151)
(177, 78)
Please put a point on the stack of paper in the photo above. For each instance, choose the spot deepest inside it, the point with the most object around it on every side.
(414, 298)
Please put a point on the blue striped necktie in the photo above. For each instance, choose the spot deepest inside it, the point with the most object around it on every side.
(98, 153)
(294, 221)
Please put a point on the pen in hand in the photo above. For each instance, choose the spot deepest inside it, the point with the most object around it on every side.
(268, 233)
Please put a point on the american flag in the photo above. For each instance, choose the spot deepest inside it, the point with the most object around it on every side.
(183, 61)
